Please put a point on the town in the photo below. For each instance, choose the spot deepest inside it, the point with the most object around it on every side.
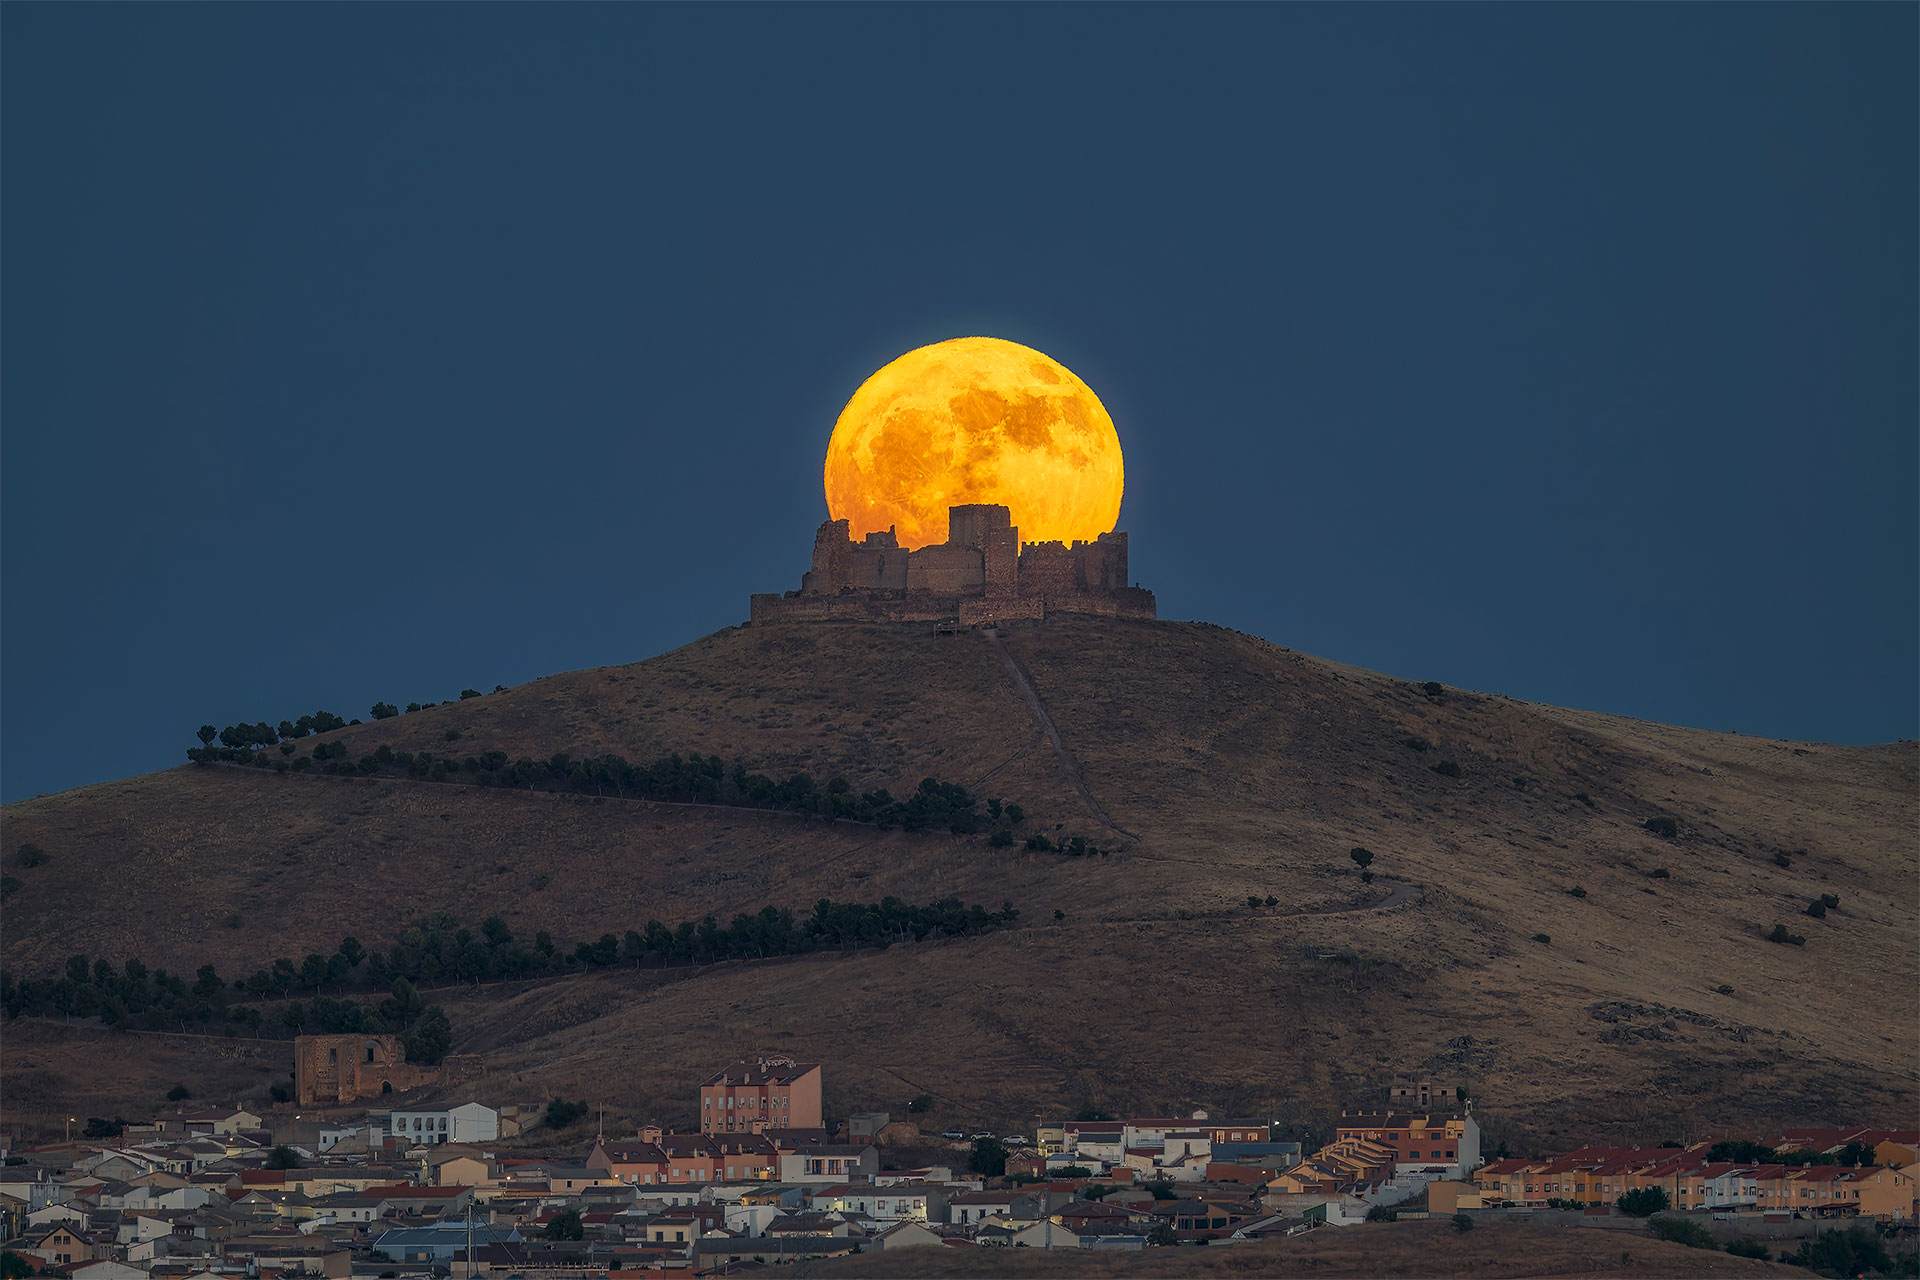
(465, 1188)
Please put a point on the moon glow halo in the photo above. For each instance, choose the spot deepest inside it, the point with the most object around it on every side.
(974, 420)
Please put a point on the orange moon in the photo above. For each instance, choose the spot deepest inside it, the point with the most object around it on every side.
(974, 420)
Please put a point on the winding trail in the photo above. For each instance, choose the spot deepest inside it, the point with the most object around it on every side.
(1038, 711)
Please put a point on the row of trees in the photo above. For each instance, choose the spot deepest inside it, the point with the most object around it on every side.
(1852, 1156)
(692, 778)
(441, 949)
(244, 736)
(134, 995)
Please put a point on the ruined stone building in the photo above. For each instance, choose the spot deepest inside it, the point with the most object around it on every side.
(980, 574)
(329, 1070)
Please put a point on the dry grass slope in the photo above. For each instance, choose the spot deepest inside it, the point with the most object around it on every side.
(1413, 1249)
(1238, 766)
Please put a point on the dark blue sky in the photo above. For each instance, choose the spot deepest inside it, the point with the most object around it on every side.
(360, 352)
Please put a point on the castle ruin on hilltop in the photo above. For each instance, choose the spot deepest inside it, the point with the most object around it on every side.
(980, 574)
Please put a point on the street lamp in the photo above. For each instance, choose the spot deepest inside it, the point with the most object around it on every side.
(69, 1128)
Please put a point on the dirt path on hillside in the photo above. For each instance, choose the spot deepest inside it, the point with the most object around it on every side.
(1038, 710)
(1396, 894)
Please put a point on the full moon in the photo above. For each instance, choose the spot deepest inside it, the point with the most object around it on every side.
(974, 420)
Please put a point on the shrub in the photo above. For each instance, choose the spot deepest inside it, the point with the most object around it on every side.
(1433, 689)
(1447, 769)
(1831, 900)
(1380, 1213)
(1366, 877)
(1782, 860)
(561, 1113)
(920, 1105)
(385, 711)
(1039, 844)
(1462, 1222)
(1643, 1201)
(1748, 1249)
(1362, 858)
(1724, 989)
(1666, 827)
(1682, 1231)
(30, 855)
(1418, 744)
(1780, 934)
(1001, 839)
(1577, 892)
(1583, 798)
(988, 1157)
(1817, 909)
(1543, 939)
(1852, 1252)
(179, 1093)
(10, 885)
(1015, 814)
(469, 693)
(1660, 873)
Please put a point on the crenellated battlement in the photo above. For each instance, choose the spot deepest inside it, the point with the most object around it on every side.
(980, 574)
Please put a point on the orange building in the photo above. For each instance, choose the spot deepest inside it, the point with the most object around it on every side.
(753, 1097)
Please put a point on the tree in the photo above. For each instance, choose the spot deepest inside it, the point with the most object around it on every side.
(1463, 1222)
(1643, 1201)
(1380, 1213)
(1748, 1249)
(989, 1157)
(351, 951)
(1272, 902)
(561, 1113)
(385, 711)
(284, 1157)
(1665, 827)
(431, 1037)
(566, 1225)
(469, 693)
(1163, 1233)
(98, 1127)
(207, 733)
(14, 1266)
(1253, 902)
(1852, 1252)
(1682, 1231)
(920, 1105)
(179, 1093)
(1362, 858)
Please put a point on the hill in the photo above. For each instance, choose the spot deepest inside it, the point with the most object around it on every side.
(1416, 1249)
(1211, 764)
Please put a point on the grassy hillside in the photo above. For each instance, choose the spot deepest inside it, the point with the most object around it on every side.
(1226, 767)
(1428, 1248)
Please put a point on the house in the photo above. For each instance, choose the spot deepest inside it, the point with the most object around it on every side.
(62, 1245)
(1204, 1217)
(865, 1126)
(1449, 1145)
(894, 1202)
(220, 1120)
(439, 1241)
(906, 1235)
(974, 1207)
(451, 1122)
(107, 1269)
(767, 1093)
(829, 1162)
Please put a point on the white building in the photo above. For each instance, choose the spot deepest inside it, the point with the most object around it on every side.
(452, 1122)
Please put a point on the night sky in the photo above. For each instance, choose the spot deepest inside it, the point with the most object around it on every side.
(368, 352)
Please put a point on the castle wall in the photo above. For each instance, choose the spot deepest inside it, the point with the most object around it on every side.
(979, 575)
(1046, 568)
(946, 571)
(328, 1070)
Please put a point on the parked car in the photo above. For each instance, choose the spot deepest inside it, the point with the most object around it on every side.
(1017, 1140)
(982, 1137)
(955, 1135)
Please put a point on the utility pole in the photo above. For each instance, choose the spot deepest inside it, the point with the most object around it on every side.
(469, 1234)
